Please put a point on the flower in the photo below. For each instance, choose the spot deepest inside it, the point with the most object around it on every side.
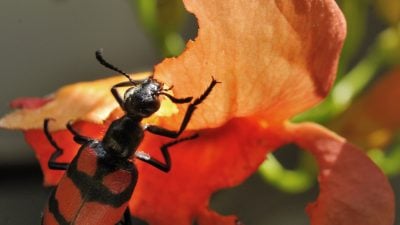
(274, 59)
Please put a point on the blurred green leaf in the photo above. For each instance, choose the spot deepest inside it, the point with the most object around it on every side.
(163, 20)
(389, 10)
(356, 12)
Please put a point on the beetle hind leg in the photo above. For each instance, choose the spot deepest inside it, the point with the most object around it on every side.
(52, 164)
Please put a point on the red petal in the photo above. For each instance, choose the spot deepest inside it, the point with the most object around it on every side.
(274, 58)
(29, 102)
(219, 158)
(352, 189)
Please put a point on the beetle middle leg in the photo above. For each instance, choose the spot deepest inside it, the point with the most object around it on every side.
(166, 165)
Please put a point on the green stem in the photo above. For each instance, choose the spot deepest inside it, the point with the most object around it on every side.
(355, 81)
(291, 181)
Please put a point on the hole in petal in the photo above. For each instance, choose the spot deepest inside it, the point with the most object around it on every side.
(290, 169)
(191, 28)
(289, 156)
(138, 221)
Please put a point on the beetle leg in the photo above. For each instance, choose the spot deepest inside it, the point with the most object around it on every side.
(127, 217)
(177, 100)
(78, 138)
(52, 164)
(166, 165)
(188, 115)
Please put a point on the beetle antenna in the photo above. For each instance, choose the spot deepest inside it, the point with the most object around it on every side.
(102, 61)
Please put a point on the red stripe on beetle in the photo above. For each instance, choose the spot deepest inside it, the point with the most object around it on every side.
(117, 181)
(97, 213)
(69, 198)
(87, 162)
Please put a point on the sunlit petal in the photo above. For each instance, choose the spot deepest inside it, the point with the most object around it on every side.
(274, 58)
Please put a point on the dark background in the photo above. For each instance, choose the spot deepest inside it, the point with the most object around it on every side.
(45, 44)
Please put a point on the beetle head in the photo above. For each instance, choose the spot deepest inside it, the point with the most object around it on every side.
(143, 100)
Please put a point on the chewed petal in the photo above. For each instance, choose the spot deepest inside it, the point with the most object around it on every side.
(352, 189)
(208, 217)
(274, 58)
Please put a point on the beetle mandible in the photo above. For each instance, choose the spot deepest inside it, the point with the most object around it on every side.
(100, 180)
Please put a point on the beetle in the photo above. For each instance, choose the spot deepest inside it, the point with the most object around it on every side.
(101, 178)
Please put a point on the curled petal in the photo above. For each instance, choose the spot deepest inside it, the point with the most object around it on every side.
(352, 189)
(274, 58)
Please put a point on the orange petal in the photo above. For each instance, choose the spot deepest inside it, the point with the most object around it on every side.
(274, 58)
(352, 189)
(88, 101)
(85, 101)
(374, 118)
(219, 158)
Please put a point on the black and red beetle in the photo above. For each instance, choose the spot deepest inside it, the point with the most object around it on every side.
(100, 180)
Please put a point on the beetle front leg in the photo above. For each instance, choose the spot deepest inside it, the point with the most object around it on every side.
(188, 115)
(177, 100)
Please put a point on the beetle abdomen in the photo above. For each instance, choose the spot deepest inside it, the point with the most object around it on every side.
(91, 192)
